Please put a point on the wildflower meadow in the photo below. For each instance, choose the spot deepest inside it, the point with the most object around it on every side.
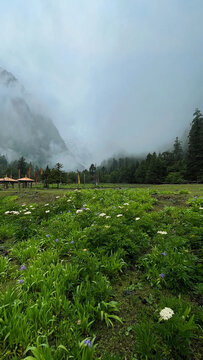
(109, 274)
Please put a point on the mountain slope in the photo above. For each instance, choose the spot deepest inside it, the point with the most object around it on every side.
(26, 132)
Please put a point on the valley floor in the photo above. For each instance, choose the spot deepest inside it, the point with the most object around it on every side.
(86, 272)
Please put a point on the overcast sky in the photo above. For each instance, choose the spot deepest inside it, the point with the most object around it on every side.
(114, 75)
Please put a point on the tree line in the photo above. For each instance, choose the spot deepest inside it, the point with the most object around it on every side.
(175, 166)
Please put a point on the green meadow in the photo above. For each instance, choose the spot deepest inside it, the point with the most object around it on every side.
(107, 272)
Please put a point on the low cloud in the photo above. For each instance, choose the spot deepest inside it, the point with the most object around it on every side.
(112, 75)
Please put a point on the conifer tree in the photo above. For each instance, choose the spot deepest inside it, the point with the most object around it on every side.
(177, 150)
(195, 148)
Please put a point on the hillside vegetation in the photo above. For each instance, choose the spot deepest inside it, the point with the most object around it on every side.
(108, 274)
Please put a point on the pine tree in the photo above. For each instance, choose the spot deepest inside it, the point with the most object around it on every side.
(177, 150)
(22, 166)
(195, 148)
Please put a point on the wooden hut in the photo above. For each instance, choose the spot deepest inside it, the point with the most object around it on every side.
(7, 180)
(25, 181)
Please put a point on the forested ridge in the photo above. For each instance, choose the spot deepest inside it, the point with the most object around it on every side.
(177, 165)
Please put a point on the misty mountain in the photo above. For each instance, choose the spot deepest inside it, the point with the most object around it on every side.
(25, 131)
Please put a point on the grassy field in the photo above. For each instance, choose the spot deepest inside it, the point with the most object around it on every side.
(110, 273)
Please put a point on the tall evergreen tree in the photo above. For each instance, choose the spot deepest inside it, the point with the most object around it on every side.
(195, 148)
(22, 166)
(177, 150)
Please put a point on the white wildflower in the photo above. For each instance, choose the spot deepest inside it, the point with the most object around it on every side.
(108, 217)
(162, 232)
(57, 197)
(46, 204)
(102, 214)
(137, 218)
(126, 204)
(107, 226)
(201, 208)
(88, 209)
(119, 215)
(166, 313)
(23, 204)
(47, 211)
(27, 213)
(78, 211)
(12, 212)
(69, 200)
(120, 207)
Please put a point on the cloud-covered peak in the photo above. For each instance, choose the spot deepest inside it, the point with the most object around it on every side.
(25, 131)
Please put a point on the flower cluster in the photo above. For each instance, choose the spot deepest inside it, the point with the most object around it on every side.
(162, 232)
(12, 212)
(166, 313)
(88, 342)
(78, 211)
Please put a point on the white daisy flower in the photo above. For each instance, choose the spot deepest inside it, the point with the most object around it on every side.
(102, 214)
(119, 215)
(137, 218)
(108, 217)
(162, 232)
(126, 204)
(47, 211)
(27, 213)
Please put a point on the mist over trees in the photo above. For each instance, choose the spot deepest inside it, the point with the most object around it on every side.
(175, 166)
(195, 148)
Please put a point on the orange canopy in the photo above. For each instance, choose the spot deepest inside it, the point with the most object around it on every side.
(25, 179)
(7, 179)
